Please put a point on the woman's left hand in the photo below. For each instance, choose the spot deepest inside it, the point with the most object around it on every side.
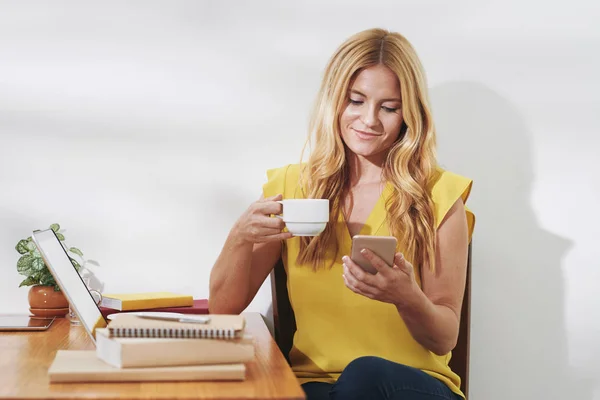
(394, 284)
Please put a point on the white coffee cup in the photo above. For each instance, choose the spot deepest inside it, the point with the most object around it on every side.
(305, 217)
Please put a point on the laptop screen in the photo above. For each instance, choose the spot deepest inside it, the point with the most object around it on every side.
(69, 281)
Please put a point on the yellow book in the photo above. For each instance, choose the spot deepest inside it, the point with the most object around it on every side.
(144, 301)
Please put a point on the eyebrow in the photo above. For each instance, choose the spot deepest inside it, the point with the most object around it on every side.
(383, 100)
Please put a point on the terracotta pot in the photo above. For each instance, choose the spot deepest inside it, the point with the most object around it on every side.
(45, 302)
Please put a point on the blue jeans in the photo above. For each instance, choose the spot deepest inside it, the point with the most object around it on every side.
(375, 378)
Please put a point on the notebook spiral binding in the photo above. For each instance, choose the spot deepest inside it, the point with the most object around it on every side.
(174, 333)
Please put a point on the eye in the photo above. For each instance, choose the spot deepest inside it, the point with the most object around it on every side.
(390, 109)
(355, 102)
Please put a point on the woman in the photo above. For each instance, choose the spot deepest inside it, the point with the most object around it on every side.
(362, 336)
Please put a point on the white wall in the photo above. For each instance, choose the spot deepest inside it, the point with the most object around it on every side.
(145, 130)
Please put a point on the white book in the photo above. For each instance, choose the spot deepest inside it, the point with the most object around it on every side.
(84, 366)
(153, 352)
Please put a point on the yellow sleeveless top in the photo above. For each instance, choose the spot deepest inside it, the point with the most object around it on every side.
(336, 325)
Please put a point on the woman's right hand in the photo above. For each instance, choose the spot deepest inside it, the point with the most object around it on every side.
(256, 224)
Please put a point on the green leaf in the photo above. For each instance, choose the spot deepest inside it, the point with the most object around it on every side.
(24, 264)
(55, 227)
(60, 236)
(38, 264)
(46, 278)
(76, 251)
(31, 246)
(29, 281)
(76, 265)
(21, 247)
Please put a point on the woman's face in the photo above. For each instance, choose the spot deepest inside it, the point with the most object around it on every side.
(371, 120)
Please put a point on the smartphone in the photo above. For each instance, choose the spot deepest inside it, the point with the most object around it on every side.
(383, 246)
(24, 323)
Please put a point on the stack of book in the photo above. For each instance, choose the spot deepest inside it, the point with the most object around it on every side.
(149, 347)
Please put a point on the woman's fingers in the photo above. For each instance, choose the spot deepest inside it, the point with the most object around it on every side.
(276, 237)
(272, 198)
(356, 284)
(258, 224)
(403, 265)
(268, 207)
(273, 223)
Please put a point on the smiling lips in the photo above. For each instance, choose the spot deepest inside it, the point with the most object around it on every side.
(365, 135)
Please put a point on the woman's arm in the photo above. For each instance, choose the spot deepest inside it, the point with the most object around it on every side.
(250, 252)
(431, 313)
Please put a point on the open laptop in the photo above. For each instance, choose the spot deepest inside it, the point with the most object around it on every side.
(79, 296)
(68, 279)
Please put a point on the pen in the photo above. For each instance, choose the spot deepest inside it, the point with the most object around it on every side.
(189, 319)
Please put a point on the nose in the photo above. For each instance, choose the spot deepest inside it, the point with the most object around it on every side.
(369, 116)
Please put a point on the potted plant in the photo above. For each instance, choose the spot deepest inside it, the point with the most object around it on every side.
(45, 297)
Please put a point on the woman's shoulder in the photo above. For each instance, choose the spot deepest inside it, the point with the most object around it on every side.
(446, 188)
(444, 180)
(284, 171)
(282, 180)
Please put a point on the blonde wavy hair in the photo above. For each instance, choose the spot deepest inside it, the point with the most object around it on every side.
(410, 166)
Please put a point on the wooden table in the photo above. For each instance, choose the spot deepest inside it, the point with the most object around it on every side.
(26, 356)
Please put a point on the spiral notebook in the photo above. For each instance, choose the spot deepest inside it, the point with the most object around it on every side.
(220, 326)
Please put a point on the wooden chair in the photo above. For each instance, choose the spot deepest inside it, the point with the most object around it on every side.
(285, 323)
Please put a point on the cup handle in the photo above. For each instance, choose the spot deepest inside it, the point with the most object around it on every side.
(99, 296)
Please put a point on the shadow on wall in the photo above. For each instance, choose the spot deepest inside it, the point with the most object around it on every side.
(519, 339)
